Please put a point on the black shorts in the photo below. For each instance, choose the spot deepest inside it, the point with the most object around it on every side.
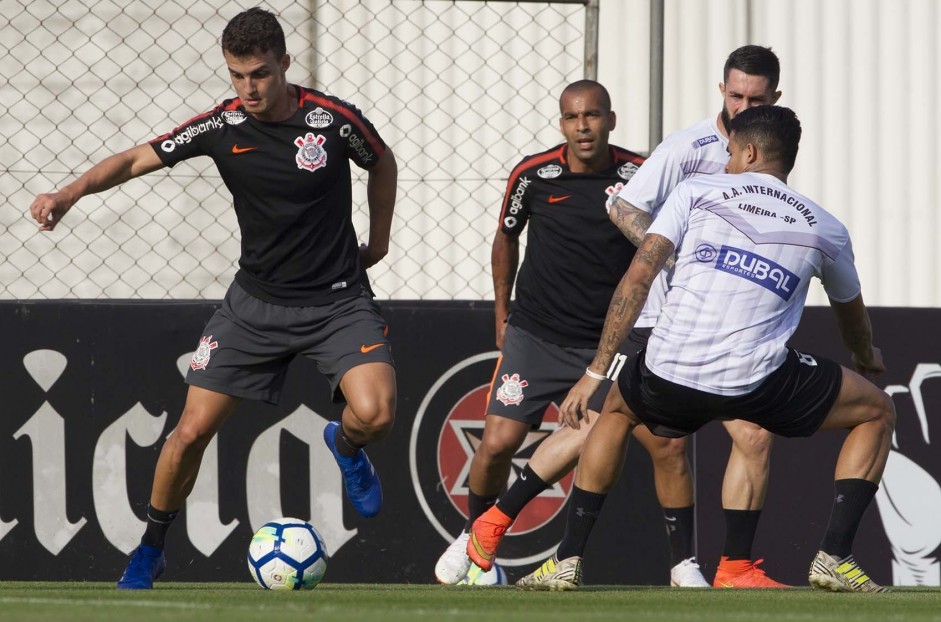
(248, 343)
(533, 374)
(793, 401)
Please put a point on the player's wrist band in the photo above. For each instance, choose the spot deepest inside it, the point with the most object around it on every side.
(594, 375)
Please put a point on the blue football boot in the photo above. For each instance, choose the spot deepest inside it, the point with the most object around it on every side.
(359, 476)
(147, 563)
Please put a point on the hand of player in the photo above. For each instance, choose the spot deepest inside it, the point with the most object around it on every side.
(575, 405)
(48, 209)
(369, 256)
(501, 331)
(871, 364)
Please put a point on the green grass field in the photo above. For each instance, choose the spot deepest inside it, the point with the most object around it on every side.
(234, 602)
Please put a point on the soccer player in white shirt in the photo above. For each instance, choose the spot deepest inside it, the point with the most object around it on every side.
(750, 76)
(746, 247)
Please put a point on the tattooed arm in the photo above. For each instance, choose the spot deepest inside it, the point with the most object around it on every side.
(628, 300)
(633, 222)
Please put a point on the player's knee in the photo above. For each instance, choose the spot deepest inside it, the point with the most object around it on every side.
(374, 417)
(885, 412)
(187, 437)
(496, 448)
(753, 441)
(669, 454)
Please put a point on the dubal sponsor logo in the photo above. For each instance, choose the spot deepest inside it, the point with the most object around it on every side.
(447, 430)
(187, 134)
(516, 202)
(705, 140)
(318, 118)
(233, 117)
(550, 171)
(706, 252)
(757, 269)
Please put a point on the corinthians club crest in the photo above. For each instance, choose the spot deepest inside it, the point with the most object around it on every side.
(447, 431)
(203, 352)
(311, 154)
(511, 391)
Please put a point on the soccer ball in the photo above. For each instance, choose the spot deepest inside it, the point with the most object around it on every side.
(476, 576)
(287, 554)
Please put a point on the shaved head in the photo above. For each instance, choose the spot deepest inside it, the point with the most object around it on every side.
(604, 99)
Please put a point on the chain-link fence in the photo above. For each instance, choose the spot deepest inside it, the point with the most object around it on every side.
(459, 89)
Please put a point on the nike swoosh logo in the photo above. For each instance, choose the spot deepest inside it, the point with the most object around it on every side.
(364, 348)
(555, 199)
(670, 518)
(237, 149)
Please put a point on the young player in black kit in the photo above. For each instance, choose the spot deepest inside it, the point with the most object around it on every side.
(574, 259)
(283, 151)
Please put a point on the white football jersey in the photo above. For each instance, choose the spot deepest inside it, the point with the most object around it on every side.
(697, 150)
(747, 247)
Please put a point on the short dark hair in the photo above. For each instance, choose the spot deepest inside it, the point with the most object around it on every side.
(775, 130)
(755, 60)
(253, 31)
(589, 85)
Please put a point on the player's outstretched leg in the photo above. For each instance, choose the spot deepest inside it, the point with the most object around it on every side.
(360, 478)
(869, 415)
(555, 575)
(147, 563)
(674, 485)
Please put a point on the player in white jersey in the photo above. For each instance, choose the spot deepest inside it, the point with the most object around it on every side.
(750, 79)
(746, 247)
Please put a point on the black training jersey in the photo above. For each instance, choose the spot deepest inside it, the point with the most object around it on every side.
(291, 188)
(575, 256)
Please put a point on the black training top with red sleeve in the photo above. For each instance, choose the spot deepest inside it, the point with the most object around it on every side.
(575, 256)
(291, 188)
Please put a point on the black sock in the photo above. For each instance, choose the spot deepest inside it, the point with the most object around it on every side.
(679, 523)
(850, 500)
(584, 508)
(526, 488)
(344, 445)
(740, 528)
(477, 505)
(158, 522)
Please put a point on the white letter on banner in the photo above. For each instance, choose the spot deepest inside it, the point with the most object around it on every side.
(46, 432)
(263, 487)
(119, 523)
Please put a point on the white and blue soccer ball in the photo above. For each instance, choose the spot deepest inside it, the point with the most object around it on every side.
(476, 576)
(287, 554)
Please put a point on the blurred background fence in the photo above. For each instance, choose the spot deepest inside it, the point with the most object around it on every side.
(460, 90)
